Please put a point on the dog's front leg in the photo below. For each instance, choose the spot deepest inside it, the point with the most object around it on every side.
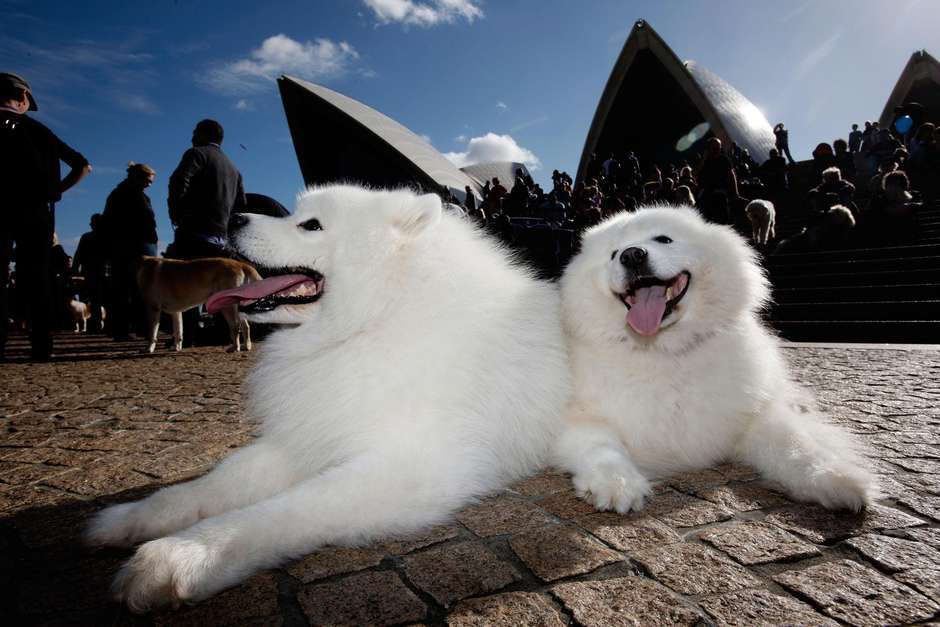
(153, 327)
(244, 477)
(813, 460)
(601, 468)
(177, 330)
(346, 505)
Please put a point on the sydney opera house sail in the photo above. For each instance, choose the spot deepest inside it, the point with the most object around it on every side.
(337, 138)
(918, 85)
(663, 109)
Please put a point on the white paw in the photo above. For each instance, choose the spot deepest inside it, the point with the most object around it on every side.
(232, 349)
(132, 523)
(118, 525)
(613, 486)
(843, 487)
(168, 571)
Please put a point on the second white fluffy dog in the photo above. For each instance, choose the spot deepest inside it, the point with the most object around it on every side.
(673, 370)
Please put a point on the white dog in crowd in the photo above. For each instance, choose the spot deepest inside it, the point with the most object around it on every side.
(425, 370)
(763, 217)
(673, 370)
(80, 313)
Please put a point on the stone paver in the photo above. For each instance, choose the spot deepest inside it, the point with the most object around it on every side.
(453, 572)
(624, 601)
(694, 569)
(556, 551)
(758, 543)
(760, 607)
(104, 424)
(858, 595)
(506, 610)
(375, 598)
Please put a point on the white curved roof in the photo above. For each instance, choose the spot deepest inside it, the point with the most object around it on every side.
(412, 147)
(730, 115)
(505, 171)
(741, 121)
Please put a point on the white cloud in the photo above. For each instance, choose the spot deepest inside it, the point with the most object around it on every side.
(426, 138)
(279, 54)
(460, 139)
(493, 147)
(501, 105)
(136, 103)
(425, 14)
(244, 105)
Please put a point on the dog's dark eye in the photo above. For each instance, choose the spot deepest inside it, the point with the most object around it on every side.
(613, 254)
(311, 225)
(663, 239)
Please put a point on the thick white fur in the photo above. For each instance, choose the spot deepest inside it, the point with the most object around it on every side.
(762, 215)
(711, 385)
(431, 371)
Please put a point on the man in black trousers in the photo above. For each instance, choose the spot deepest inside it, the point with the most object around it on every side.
(205, 189)
(30, 185)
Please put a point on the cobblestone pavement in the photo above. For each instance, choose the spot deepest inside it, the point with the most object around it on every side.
(103, 424)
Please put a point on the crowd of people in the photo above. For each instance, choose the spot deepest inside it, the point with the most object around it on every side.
(863, 191)
(204, 190)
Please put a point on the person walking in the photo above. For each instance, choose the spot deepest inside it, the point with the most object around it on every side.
(204, 191)
(130, 232)
(30, 184)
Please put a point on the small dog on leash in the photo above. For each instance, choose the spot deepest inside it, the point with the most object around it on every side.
(762, 215)
(173, 286)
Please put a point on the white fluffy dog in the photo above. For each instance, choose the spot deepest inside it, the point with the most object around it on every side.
(425, 370)
(762, 215)
(673, 370)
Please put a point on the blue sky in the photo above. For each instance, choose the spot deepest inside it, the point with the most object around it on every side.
(123, 81)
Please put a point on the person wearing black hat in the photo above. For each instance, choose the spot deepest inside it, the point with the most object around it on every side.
(30, 185)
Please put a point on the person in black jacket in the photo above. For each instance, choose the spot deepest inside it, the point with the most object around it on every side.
(130, 231)
(205, 190)
(30, 185)
(91, 263)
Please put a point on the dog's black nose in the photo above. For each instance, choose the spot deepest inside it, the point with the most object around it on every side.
(237, 221)
(633, 256)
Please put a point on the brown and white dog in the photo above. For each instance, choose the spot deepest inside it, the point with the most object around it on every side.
(80, 313)
(173, 286)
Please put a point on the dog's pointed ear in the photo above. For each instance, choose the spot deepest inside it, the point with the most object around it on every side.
(418, 214)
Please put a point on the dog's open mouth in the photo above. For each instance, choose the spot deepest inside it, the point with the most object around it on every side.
(284, 286)
(650, 300)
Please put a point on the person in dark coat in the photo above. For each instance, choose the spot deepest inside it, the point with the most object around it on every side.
(30, 185)
(91, 263)
(205, 190)
(130, 232)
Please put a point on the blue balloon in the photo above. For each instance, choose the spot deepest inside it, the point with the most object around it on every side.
(903, 124)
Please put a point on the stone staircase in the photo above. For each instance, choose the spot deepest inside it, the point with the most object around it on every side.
(889, 294)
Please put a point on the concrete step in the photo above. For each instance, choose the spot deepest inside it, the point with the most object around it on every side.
(857, 293)
(854, 266)
(861, 310)
(864, 331)
(845, 279)
(889, 252)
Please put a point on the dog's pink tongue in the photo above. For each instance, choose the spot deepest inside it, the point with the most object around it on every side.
(253, 291)
(646, 311)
